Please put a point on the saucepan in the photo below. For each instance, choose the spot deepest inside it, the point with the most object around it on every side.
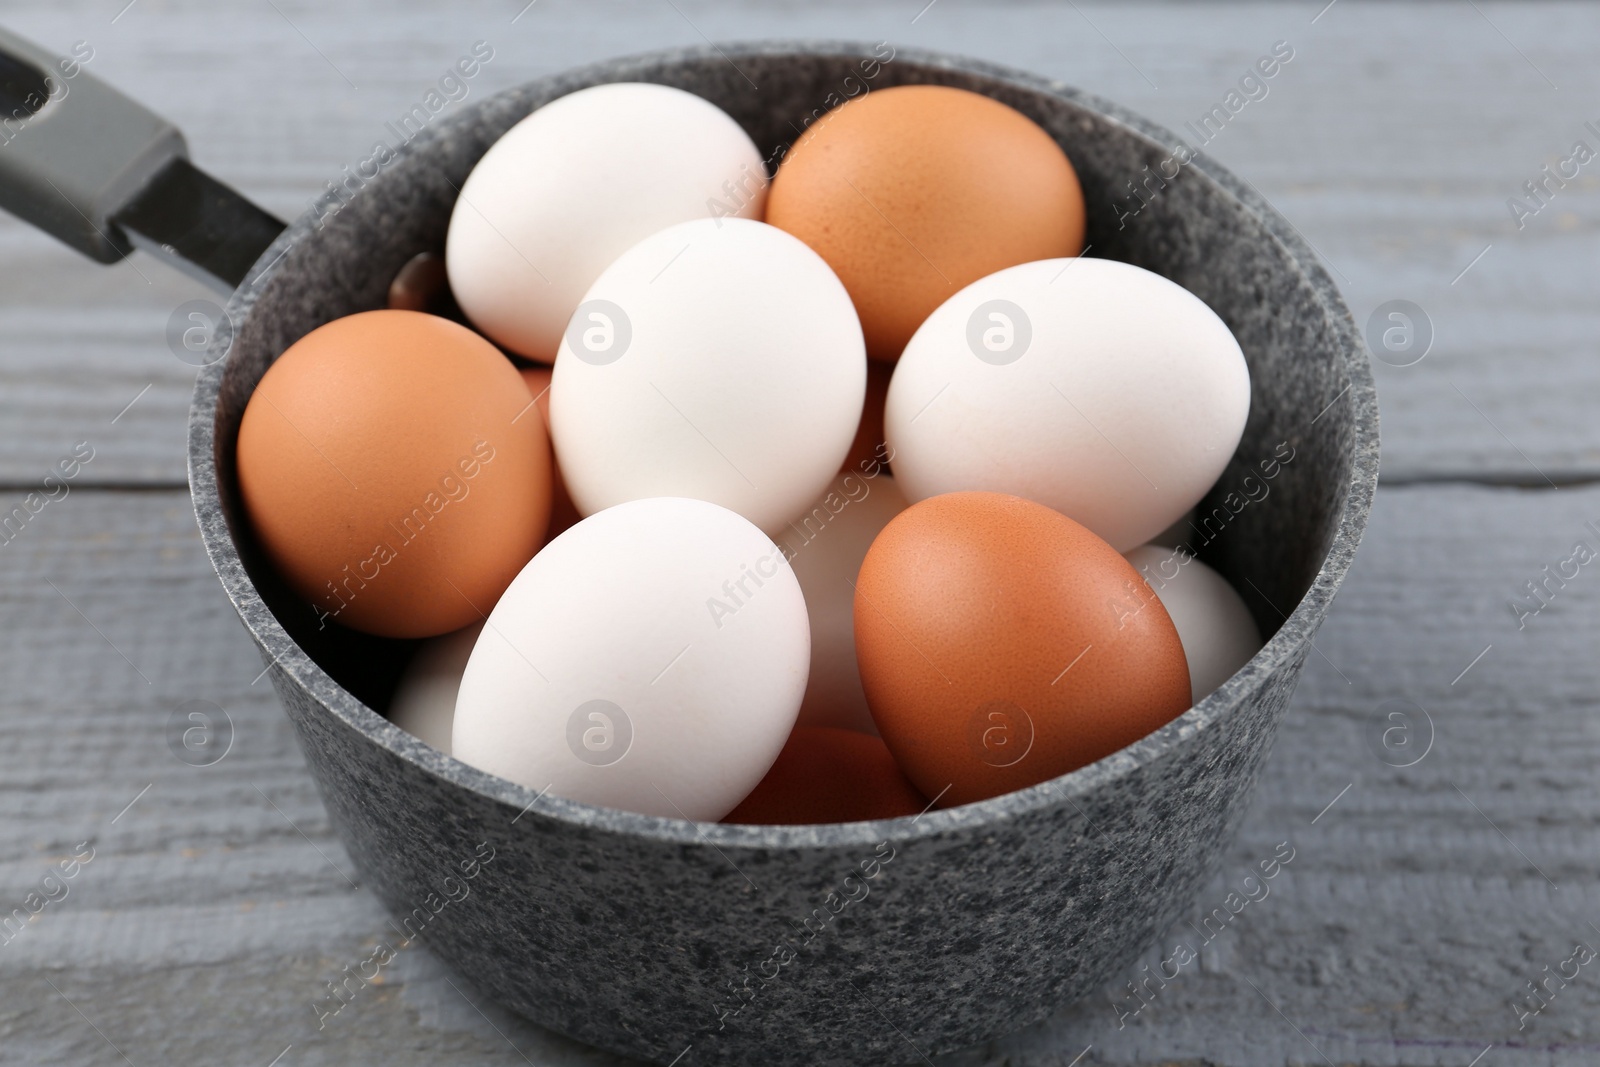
(672, 940)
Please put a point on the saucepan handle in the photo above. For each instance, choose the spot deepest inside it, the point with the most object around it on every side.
(106, 175)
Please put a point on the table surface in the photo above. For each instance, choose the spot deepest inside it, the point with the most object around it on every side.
(1422, 899)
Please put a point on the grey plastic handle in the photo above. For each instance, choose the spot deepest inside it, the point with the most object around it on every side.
(106, 175)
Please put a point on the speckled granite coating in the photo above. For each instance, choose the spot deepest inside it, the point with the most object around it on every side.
(867, 942)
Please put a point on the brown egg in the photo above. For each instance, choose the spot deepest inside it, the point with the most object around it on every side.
(384, 474)
(913, 192)
(825, 774)
(421, 285)
(1002, 644)
(869, 449)
(563, 512)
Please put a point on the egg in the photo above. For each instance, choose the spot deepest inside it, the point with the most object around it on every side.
(386, 475)
(717, 359)
(421, 285)
(574, 185)
(563, 512)
(1219, 634)
(424, 703)
(1096, 388)
(912, 192)
(1002, 644)
(652, 658)
(825, 547)
(826, 775)
(1179, 532)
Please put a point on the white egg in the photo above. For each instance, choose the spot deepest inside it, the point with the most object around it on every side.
(717, 359)
(825, 547)
(1181, 530)
(572, 186)
(651, 658)
(1097, 388)
(1216, 629)
(424, 703)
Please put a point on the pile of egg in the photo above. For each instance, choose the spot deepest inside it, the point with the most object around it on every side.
(821, 498)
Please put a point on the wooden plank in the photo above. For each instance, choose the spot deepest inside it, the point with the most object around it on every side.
(1392, 140)
(1415, 907)
(1424, 898)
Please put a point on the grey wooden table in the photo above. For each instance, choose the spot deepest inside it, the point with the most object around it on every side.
(1422, 899)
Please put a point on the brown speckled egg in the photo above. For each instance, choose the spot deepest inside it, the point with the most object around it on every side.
(825, 774)
(913, 192)
(387, 476)
(1002, 644)
(563, 512)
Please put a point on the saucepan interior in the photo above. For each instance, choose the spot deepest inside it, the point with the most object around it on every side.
(1312, 423)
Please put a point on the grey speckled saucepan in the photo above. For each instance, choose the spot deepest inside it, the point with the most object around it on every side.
(866, 942)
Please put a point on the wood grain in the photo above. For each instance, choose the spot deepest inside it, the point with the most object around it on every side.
(1414, 910)
(1420, 900)
(1392, 140)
